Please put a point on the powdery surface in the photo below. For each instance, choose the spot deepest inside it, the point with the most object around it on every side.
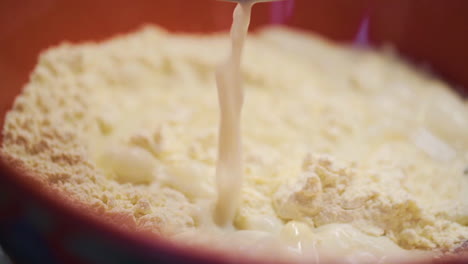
(332, 135)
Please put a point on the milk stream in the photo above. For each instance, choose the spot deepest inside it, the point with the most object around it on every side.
(229, 167)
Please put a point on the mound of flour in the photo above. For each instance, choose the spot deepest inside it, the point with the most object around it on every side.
(332, 136)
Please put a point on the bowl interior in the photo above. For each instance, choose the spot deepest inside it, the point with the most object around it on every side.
(432, 32)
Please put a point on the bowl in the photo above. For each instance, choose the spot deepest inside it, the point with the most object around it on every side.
(38, 226)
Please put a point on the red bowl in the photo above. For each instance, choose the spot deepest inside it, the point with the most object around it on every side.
(38, 226)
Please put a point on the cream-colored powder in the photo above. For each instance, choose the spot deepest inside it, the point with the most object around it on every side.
(336, 140)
